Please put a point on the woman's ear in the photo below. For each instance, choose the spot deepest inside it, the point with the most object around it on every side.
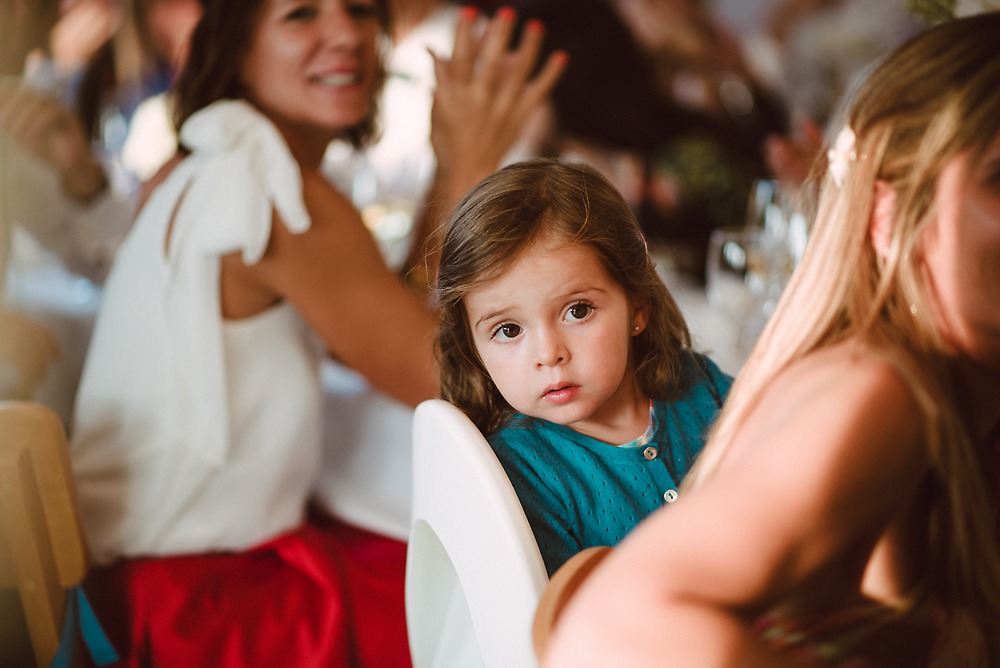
(880, 225)
(640, 315)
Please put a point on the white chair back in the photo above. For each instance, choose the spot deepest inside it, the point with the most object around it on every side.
(473, 570)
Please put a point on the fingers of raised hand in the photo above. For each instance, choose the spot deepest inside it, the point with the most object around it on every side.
(538, 88)
(463, 55)
(521, 61)
(39, 123)
(23, 113)
(494, 55)
(485, 72)
(522, 92)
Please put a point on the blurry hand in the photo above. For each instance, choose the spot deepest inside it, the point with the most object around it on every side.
(486, 93)
(84, 27)
(484, 99)
(43, 126)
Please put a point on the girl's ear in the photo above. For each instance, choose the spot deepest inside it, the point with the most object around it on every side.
(880, 225)
(640, 314)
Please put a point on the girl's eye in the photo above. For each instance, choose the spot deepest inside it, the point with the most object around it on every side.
(506, 332)
(579, 311)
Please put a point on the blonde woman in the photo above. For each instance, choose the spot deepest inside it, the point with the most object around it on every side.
(845, 510)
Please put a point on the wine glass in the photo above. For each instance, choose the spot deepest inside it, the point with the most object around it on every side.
(389, 200)
(737, 280)
(777, 211)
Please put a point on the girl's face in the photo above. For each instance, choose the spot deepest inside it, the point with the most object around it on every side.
(961, 252)
(312, 64)
(554, 333)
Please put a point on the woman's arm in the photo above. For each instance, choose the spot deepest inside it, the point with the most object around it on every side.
(335, 277)
(485, 94)
(829, 460)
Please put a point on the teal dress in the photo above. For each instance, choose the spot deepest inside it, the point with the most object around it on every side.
(578, 492)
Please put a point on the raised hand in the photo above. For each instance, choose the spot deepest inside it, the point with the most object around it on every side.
(84, 27)
(486, 92)
(485, 95)
(53, 132)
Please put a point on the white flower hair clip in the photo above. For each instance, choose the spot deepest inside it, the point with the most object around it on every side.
(841, 155)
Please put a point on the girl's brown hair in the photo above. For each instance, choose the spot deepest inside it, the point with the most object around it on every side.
(500, 218)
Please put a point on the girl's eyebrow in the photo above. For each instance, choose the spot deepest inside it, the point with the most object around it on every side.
(578, 292)
(489, 316)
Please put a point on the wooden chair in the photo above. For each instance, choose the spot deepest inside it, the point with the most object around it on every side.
(564, 583)
(42, 549)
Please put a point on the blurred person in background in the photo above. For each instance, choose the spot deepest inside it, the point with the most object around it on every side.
(685, 164)
(89, 121)
(27, 347)
(197, 430)
(825, 47)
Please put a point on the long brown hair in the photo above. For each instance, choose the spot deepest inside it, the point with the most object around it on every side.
(496, 221)
(934, 98)
(219, 47)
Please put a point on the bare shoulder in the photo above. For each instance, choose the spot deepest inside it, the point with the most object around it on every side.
(336, 241)
(843, 381)
(838, 441)
(845, 414)
(322, 197)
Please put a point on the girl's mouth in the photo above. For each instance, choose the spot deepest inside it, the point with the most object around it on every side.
(561, 393)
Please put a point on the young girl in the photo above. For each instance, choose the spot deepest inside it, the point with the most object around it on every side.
(845, 511)
(561, 343)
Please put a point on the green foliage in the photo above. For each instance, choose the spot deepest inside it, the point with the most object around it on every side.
(932, 11)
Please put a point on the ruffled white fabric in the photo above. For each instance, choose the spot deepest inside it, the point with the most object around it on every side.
(252, 172)
(194, 433)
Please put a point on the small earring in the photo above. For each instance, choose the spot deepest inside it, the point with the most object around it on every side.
(636, 328)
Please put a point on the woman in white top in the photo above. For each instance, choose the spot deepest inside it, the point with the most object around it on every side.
(198, 420)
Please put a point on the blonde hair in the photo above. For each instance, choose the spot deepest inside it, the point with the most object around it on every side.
(935, 97)
(500, 218)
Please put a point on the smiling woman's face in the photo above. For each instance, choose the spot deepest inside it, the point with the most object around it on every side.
(961, 252)
(313, 64)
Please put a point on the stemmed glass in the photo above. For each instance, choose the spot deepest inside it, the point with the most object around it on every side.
(749, 266)
(389, 202)
(734, 281)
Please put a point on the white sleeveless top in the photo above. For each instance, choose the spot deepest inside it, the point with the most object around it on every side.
(194, 434)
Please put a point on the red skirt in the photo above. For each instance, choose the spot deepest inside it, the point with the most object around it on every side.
(328, 594)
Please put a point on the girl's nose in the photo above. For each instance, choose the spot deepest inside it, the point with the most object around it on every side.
(550, 349)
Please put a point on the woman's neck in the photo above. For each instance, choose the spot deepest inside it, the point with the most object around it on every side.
(307, 145)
